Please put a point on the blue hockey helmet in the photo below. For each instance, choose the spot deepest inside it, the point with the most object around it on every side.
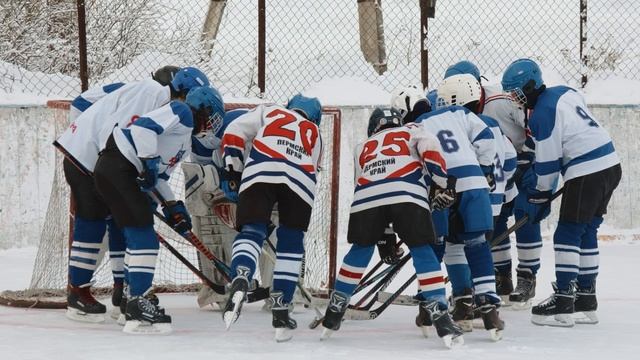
(383, 118)
(188, 78)
(463, 67)
(229, 116)
(207, 105)
(310, 108)
(523, 80)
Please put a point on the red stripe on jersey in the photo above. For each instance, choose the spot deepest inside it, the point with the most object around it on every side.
(431, 281)
(258, 145)
(232, 140)
(498, 97)
(363, 181)
(405, 170)
(350, 274)
(434, 156)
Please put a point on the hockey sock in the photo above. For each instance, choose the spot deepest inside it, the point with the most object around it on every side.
(529, 245)
(589, 255)
(457, 268)
(247, 247)
(117, 247)
(142, 251)
(501, 253)
(438, 248)
(429, 273)
(353, 266)
(566, 244)
(289, 251)
(85, 249)
(481, 265)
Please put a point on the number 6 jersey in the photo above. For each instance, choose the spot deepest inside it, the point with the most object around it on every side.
(390, 168)
(282, 146)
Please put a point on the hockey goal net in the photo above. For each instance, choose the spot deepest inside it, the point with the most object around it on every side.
(47, 288)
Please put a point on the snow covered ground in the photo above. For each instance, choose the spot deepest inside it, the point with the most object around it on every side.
(199, 334)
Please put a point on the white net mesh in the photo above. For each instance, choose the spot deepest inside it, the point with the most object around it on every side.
(49, 278)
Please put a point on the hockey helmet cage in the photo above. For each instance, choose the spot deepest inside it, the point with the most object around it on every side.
(207, 104)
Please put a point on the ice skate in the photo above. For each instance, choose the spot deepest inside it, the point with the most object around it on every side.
(423, 319)
(116, 299)
(525, 290)
(491, 319)
(585, 306)
(557, 310)
(143, 317)
(335, 312)
(82, 306)
(504, 287)
(237, 297)
(462, 312)
(447, 330)
(282, 323)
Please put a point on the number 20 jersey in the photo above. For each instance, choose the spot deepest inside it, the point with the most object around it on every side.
(390, 167)
(282, 146)
(466, 143)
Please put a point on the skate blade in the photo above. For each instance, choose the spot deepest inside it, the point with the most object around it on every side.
(115, 313)
(560, 320)
(315, 323)
(232, 316)
(80, 316)
(465, 325)
(283, 334)
(121, 320)
(142, 327)
(495, 334)
(586, 317)
(425, 331)
(326, 334)
(519, 306)
(452, 342)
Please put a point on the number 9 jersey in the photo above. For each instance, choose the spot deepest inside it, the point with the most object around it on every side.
(390, 167)
(466, 142)
(282, 146)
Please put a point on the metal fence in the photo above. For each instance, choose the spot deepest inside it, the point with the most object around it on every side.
(308, 41)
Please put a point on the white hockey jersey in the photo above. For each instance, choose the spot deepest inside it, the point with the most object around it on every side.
(88, 134)
(504, 165)
(510, 117)
(83, 101)
(164, 132)
(567, 137)
(272, 144)
(390, 168)
(466, 144)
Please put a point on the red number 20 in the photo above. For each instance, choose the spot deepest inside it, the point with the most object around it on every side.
(308, 130)
(394, 144)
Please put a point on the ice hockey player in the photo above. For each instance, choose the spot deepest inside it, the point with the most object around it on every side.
(273, 152)
(570, 141)
(391, 188)
(469, 150)
(511, 119)
(80, 144)
(137, 160)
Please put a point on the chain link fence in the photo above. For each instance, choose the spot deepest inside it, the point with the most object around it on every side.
(308, 41)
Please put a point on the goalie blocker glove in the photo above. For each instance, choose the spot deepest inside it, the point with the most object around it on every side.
(177, 216)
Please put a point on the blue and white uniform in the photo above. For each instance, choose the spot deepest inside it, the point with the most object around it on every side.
(164, 132)
(83, 101)
(568, 139)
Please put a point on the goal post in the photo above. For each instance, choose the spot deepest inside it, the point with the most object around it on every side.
(47, 288)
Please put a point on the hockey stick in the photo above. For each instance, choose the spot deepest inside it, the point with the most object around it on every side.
(358, 314)
(364, 282)
(520, 223)
(380, 286)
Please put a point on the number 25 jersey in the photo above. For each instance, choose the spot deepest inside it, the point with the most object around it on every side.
(282, 146)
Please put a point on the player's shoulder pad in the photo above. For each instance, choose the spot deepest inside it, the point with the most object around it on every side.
(543, 118)
(183, 112)
(109, 88)
(489, 121)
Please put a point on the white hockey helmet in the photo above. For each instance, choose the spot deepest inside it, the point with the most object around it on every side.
(458, 90)
(404, 99)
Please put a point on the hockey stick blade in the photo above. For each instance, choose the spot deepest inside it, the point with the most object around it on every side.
(358, 314)
(404, 300)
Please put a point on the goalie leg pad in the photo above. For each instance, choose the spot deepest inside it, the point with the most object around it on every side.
(85, 249)
(142, 251)
(289, 252)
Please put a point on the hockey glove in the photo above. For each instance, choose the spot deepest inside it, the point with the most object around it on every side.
(177, 216)
(230, 184)
(488, 171)
(389, 252)
(443, 199)
(148, 178)
(538, 205)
